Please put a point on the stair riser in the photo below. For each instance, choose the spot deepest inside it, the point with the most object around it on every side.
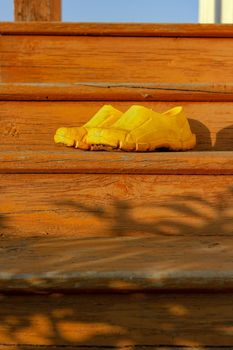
(176, 320)
(116, 59)
(115, 205)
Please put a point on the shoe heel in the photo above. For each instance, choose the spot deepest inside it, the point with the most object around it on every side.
(189, 143)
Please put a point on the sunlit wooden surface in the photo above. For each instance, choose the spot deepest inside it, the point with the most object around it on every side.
(115, 250)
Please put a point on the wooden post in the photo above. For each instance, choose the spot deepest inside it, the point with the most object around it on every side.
(37, 10)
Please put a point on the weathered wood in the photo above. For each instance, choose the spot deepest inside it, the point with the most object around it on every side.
(136, 321)
(26, 126)
(131, 347)
(117, 232)
(115, 205)
(119, 29)
(34, 10)
(137, 347)
(115, 92)
(46, 59)
(73, 161)
(117, 264)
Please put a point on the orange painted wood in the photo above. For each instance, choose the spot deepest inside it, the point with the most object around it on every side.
(119, 29)
(171, 320)
(30, 126)
(34, 10)
(62, 59)
(116, 92)
(95, 205)
(135, 263)
(68, 161)
(70, 347)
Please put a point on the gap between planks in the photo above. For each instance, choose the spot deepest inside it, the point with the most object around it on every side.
(94, 91)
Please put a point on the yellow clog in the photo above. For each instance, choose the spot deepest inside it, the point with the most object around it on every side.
(142, 129)
(75, 136)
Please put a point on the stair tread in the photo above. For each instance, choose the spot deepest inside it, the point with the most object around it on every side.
(122, 263)
(64, 160)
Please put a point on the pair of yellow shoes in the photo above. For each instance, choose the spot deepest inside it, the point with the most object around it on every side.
(138, 129)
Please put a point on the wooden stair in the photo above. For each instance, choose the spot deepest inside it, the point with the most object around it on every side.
(115, 250)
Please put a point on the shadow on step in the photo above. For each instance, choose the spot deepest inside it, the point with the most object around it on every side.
(167, 248)
(181, 215)
(112, 321)
(224, 139)
(223, 142)
(203, 135)
(3, 224)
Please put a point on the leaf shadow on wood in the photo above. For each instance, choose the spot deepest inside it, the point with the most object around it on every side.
(116, 321)
(134, 319)
(3, 224)
(183, 215)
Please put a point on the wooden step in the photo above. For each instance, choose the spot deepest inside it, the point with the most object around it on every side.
(121, 250)
(124, 263)
(117, 29)
(99, 91)
(31, 125)
(172, 58)
(173, 321)
(73, 161)
(113, 205)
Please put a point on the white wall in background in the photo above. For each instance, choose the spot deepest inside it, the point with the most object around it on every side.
(216, 11)
(227, 11)
(207, 11)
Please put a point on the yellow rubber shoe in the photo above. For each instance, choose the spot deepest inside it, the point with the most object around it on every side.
(142, 129)
(105, 117)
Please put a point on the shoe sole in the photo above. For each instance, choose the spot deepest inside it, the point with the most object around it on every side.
(172, 145)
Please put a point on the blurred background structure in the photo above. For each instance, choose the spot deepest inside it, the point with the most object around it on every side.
(155, 11)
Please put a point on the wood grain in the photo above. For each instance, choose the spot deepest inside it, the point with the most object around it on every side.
(119, 29)
(115, 92)
(73, 161)
(158, 321)
(139, 347)
(34, 10)
(92, 205)
(62, 59)
(30, 126)
(130, 227)
(116, 264)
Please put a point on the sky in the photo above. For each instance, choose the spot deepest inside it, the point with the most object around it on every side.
(170, 11)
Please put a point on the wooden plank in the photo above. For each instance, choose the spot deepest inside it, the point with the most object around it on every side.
(34, 10)
(46, 59)
(72, 161)
(115, 92)
(162, 320)
(139, 347)
(135, 263)
(30, 126)
(94, 205)
(119, 29)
